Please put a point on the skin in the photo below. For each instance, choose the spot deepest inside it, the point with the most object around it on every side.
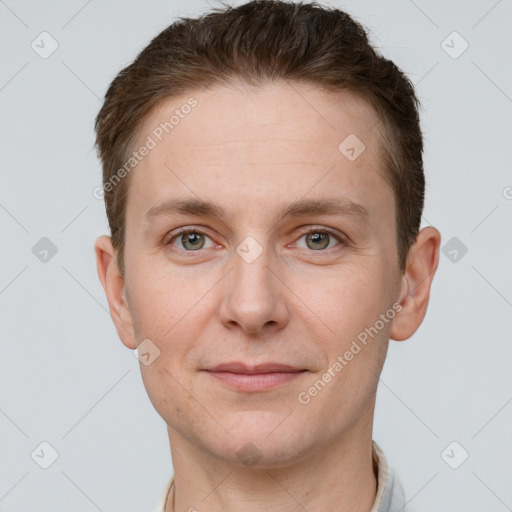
(301, 302)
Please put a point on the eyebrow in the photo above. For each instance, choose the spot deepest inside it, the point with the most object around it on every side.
(303, 207)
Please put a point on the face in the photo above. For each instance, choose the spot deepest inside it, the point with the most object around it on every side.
(289, 254)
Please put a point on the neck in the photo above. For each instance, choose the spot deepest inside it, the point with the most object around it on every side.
(340, 476)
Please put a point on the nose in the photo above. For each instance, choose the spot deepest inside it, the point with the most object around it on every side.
(254, 296)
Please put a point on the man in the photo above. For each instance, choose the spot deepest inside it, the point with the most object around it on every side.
(263, 178)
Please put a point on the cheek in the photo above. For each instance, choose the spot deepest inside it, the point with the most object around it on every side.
(173, 311)
(164, 302)
(347, 300)
(349, 305)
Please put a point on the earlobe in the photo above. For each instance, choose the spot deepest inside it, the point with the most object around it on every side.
(114, 285)
(421, 266)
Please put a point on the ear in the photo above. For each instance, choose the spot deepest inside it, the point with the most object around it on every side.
(114, 286)
(420, 268)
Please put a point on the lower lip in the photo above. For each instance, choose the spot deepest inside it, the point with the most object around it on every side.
(257, 382)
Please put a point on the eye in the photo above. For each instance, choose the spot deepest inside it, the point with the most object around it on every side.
(319, 239)
(190, 240)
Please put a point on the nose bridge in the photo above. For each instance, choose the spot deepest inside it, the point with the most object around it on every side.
(253, 296)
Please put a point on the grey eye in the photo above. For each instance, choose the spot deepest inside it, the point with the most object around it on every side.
(317, 240)
(192, 240)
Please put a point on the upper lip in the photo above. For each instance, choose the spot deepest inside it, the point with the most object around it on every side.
(237, 367)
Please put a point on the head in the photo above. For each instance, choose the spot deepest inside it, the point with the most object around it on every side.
(290, 152)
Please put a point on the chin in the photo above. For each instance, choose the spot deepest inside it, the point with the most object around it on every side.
(257, 443)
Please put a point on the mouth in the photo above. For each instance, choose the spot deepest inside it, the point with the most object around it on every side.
(263, 377)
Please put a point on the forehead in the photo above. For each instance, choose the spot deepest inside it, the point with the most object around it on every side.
(236, 114)
(285, 134)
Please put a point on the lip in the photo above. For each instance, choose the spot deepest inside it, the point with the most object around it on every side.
(262, 377)
(238, 367)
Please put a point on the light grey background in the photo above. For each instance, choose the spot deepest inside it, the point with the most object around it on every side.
(66, 378)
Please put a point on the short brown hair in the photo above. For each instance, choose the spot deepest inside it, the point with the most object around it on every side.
(260, 42)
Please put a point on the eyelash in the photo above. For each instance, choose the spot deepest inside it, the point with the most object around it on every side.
(312, 229)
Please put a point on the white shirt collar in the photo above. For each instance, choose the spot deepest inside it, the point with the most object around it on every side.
(389, 498)
(390, 495)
